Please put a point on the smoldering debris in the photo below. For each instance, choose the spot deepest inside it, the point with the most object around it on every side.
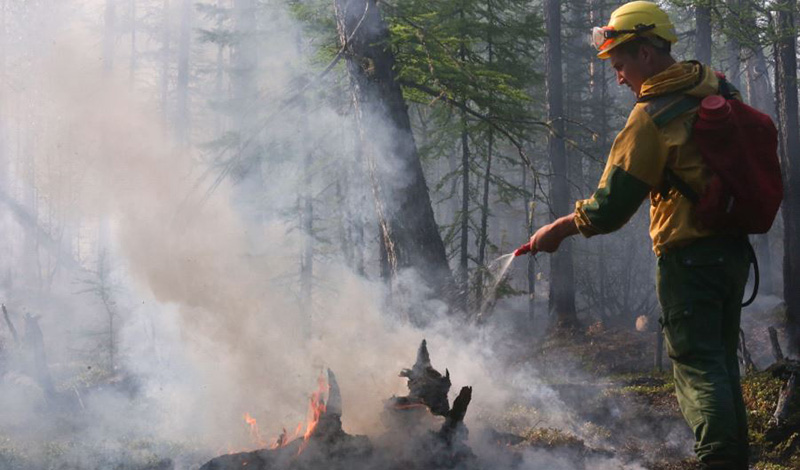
(423, 431)
(408, 443)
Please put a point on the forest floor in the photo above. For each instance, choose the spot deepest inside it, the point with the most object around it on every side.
(612, 406)
(618, 400)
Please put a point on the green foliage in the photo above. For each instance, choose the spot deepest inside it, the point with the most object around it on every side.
(760, 392)
(551, 437)
(479, 53)
(468, 67)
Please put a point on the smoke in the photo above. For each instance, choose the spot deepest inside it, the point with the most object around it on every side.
(209, 324)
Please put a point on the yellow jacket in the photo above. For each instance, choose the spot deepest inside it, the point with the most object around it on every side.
(639, 156)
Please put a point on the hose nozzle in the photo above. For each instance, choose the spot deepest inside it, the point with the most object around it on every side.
(523, 249)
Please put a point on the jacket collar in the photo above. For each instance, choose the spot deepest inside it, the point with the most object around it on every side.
(690, 77)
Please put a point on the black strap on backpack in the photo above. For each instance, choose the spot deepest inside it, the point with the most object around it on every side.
(662, 110)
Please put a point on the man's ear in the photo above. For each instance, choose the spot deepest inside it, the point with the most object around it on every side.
(646, 54)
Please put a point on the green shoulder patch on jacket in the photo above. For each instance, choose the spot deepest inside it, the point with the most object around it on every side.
(613, 204)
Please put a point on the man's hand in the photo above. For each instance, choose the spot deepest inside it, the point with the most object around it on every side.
(549, 237)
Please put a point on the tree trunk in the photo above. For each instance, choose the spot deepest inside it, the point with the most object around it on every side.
(306, 211)
(307, 257)
(760, 94)
(465, 162)
(483, 236)
(134, 55)
(576, 82)
(599, 93)
(244, 91)
(182, 119)
(758, 87)
(409, 234)
(530, 268)
(702, 45)
(5, 164)
(34, 345)
(357, 205)
(463, 259)
(734, 29)
(109, 34)
(244, 61)
(562, 292)
(219, 73)
(787, 104)
(165, 55)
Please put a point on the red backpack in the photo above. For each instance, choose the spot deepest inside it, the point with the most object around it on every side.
(739, 144)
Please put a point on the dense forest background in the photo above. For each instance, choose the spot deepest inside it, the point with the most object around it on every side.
(261, 177)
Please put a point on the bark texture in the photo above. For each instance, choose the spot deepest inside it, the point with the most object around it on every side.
(408, 232)
(702, 45)
(562, 283)
(182, 120)
(786, 99)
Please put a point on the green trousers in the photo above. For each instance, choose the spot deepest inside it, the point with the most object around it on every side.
(700, 289)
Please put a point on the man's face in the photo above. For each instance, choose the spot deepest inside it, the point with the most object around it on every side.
(631, 70)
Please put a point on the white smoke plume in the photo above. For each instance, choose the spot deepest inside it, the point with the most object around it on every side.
(208, 324)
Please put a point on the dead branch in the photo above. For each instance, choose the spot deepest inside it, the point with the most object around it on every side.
(747, 360)
(10, 325)
(782, 410)
(776, 345)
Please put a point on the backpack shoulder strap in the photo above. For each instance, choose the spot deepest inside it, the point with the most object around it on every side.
(726, 88)
(662, 110)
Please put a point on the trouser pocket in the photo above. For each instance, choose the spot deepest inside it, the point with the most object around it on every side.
(693, 328)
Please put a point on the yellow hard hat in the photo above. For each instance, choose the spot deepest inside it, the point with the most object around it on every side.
(633, 19)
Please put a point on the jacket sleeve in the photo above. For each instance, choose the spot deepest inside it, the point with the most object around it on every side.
(635, 166)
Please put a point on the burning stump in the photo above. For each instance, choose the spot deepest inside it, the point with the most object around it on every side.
(324, 445)
(408, 444)
(407, 417)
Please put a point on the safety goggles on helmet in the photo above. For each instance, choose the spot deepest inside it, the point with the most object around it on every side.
(602, 37)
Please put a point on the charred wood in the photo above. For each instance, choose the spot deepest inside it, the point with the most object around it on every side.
(405, 446)
(776, 345)
(426, 385)
(788, 392)
(746, 359)
(327, 446)
(10, 325)
(329, 427)
(34, 344)
(453, 429)
(786, 417)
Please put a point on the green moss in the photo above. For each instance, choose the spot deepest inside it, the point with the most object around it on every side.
(760, 391)
(652, 387)
(516, 419)
(771, 466)
(551, 437)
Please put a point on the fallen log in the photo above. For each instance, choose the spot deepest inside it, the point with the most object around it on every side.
(783, 408)
(786, 417)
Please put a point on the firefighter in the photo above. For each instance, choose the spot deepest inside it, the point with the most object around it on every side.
(701, 273)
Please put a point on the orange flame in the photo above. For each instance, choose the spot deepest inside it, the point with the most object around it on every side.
(255, 435)
(410, 406)
(316, 408)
